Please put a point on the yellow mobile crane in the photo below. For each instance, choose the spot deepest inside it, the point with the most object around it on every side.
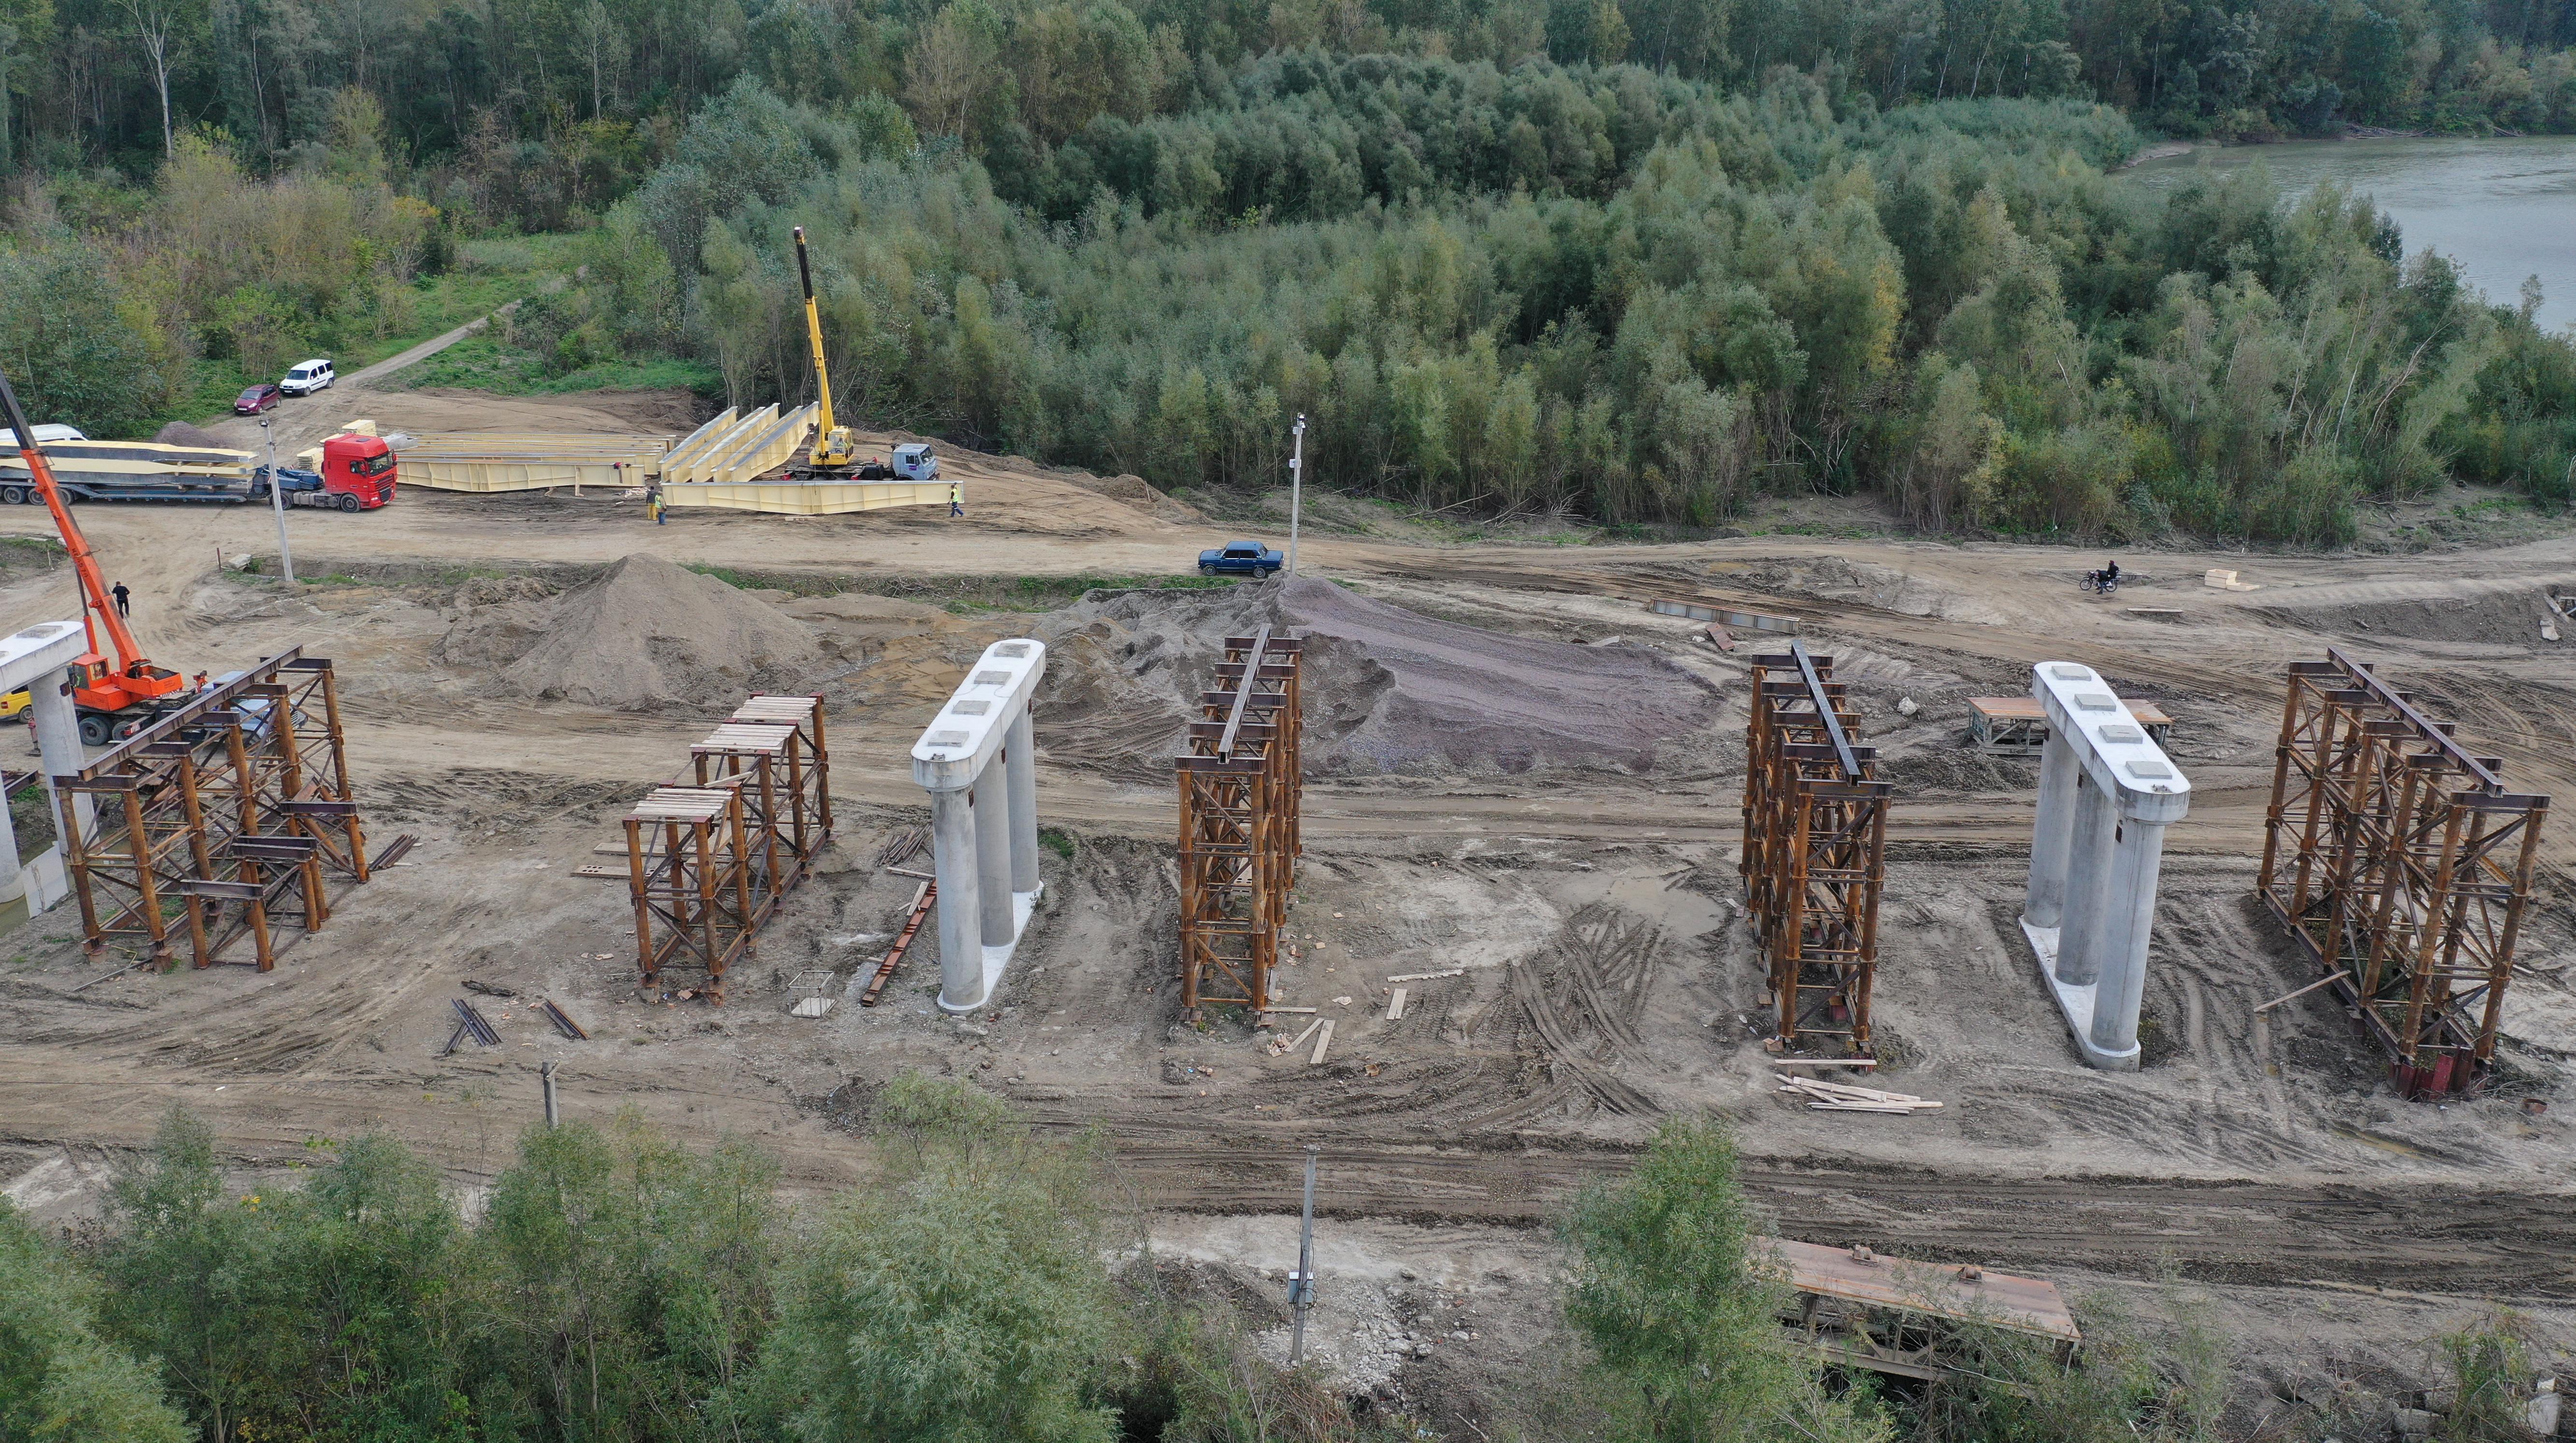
(835, 452)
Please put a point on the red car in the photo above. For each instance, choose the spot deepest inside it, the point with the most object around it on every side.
(257, 399)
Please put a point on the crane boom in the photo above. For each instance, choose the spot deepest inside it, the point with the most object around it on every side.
(136, 680)
(823, 428)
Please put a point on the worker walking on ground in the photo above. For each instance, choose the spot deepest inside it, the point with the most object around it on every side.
(956, 500)
(124, 599)
(654, 505)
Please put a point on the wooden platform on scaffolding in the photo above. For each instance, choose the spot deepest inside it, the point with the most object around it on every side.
(1239, 791)
(2013, 726)
(708, 861)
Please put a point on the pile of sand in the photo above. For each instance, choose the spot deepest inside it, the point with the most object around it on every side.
(1386, 690)
(644, 634)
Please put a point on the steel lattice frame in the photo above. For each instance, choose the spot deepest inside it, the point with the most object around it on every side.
(2401, 865)
(1815, 835)
(1239, 791)
(228, 819)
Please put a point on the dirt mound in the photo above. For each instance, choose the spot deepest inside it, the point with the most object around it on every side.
(180, 433)
(2504, 616)
(1866, 583)
(644, 634)
(1386, 690)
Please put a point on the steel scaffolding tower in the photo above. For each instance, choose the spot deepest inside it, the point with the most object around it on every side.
(1815, 833)
(1239, 791)
(2401, 865)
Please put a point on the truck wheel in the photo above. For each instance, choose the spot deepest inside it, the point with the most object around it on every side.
(124, 729)
(347, 502)
(93, 731)
(14, 495)
(1206, 570)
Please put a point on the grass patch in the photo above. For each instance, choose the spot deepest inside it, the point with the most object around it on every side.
(484, 362)
(1060, 843)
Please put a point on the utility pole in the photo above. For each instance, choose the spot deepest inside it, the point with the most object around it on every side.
(546, 1075)
(1296, 488)
(1301, 1284)
(277, 502)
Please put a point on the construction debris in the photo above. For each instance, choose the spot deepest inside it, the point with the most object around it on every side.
(923, 898)
(1426, 976)
(1747, 620)
(1395, 1005)
(2402, 866)
(1825, 1096)
(230, 817)
(562, 1020)
(1815, 833)
(2226, 581)
(474, 1024)
(1239, 786)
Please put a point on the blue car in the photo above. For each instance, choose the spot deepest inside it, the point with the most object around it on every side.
(1240, 558)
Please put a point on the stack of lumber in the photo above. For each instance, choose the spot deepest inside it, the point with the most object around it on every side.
(1826, 1096)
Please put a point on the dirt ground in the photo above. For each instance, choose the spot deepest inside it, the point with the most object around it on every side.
(2266, 1164)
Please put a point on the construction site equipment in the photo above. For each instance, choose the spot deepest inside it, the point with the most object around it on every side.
(2015, 726)
(131, 471)
(490, 461)
(708, 862)
(2402, 866)
(835, 447)
(2106, 794)
(1239, 789)
(983, 818)
(230, 819)
(1815, 838)
(1853, 1308)
(116, 703)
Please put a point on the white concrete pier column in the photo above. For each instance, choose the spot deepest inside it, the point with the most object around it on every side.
(2088, 867)
(2120, 943)
(58, 738)
(2045, 903)
(993, 857)
(1020, 766)
(975, 759)
(961, 927)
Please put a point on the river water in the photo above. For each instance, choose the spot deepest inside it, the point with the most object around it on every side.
(2504, 209)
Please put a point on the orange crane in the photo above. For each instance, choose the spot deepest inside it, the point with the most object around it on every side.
(113, 702)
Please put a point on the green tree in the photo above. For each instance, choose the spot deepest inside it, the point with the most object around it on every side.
(1682, 1315)
(962, 1297)
(60, 1381)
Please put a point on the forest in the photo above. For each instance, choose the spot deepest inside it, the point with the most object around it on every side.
(616, 1285)
(1632, 263)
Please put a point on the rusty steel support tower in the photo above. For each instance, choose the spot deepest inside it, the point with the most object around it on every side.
(225, 826)
(2401, 865)
(1815, 842)
(708, 862)
(1239, 791)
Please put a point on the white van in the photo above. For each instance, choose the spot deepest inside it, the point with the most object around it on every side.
(307, 378)
(46, 435)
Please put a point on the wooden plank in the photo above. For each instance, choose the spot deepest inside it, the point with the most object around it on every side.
(2328, 980)
(2027, 709)
(2030, 1305)
(602, 870)
(1300, 1039)
(1427, 976)
(1395, 1005)
(1777, 1061)
(1321, 1043)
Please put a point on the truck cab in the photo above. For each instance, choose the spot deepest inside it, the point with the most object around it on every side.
(913, 462)
(358, 471)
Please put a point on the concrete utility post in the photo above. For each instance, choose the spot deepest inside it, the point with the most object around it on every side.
(546, 1076)
(1301, 1288)
(277, 503)
(2106, 794)
(1296, 487)
(978, 761)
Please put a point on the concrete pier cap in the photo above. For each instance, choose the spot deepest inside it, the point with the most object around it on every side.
(983, 819)
(2107, 792)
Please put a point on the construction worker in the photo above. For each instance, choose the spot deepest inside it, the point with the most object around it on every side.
(653, 505)
(124, 599)
(956, 500)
